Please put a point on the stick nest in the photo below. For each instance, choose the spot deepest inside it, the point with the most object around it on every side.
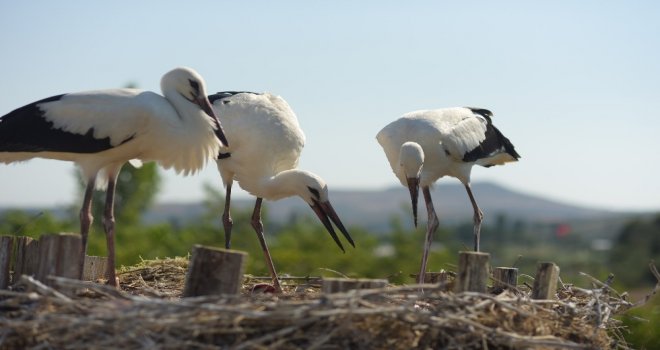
(150, 313)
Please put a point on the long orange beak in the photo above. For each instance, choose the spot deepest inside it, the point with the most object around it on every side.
(205, 105)
(413, 187)
(326, 212)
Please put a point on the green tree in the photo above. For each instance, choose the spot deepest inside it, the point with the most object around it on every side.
(305, 248)
(636, 245)
(22, 223)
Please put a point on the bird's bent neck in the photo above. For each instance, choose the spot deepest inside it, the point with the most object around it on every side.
(284, 184)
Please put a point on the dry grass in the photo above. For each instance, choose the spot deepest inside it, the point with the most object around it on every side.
(149, 313)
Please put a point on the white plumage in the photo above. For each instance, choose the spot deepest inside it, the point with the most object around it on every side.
(423, 146)
(266, 142)
(101, 130)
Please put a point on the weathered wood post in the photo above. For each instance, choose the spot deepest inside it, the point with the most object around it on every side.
(214, 271)
(95, 268)
(59, 255)
(505, 278)
(26, 259)
(472, 273)
(337, 285)
(545, 282)
(6, 250)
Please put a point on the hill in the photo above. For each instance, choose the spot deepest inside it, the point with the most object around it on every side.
(373, 209)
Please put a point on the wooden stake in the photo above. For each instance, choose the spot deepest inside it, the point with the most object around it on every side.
(25, 260)
(6, 249)
(214, 271)
(59, 255)
(505, 278)
(472, 273)
(338, 285)
(545, 283)
(95, 268)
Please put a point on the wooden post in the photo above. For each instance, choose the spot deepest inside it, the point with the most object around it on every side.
(505, 278)
(214, 271)
(95, 268)
(23, 264)
(6, 249)
(338, 285)
(59, 255)
(472, 273)
(545, 282)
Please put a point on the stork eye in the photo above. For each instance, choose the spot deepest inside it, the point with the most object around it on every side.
(314, 193)
(194, 85)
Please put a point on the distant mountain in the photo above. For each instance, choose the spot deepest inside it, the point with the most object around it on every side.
(373, 209)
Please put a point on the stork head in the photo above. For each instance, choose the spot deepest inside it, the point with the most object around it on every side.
(314, 191)
(191, 86)
(411, 160)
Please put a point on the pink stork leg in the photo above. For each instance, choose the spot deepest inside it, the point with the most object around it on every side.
(109, 226)
(478, 218)
(432, 226)
(86, 219)
(227, 222)
(259, 229)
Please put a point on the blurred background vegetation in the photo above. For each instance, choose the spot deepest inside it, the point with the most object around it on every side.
(302, 247)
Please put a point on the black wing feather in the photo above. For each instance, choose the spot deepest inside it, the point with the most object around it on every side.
(26, 130)
(225, 94)
(494, 142)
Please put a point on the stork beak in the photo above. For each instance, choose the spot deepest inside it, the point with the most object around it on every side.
(205, 105)
(326, 212)
(413, 187)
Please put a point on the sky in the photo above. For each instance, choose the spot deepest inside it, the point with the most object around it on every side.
(573, 84)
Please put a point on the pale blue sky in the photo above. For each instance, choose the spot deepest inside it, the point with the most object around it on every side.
(575, 85)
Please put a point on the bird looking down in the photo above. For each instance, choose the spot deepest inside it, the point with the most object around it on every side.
(101, 130)
(423, 146)
(266, 142)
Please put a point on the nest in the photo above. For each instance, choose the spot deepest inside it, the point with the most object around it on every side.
(150, 313)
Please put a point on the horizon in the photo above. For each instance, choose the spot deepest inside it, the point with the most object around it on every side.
(572, 85)
(241, 195)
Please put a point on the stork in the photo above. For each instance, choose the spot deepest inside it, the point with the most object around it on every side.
(101, 130)
(423, 146)
(266, 142)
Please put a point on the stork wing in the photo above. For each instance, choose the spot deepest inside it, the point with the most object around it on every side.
(464, 136)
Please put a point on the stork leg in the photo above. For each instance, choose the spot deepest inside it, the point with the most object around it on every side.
(259, 229)
(478, 217)
(432, 226)
(86, 219)
(109, 226)
(227, 222)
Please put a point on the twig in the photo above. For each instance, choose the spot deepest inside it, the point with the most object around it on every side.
(43, 289)
(654, 291)
(270, 336)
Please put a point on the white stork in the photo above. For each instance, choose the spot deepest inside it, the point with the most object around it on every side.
(423, 146)
(101, 130)
(266, 142)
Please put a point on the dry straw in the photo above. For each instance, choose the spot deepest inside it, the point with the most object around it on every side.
(149, 313)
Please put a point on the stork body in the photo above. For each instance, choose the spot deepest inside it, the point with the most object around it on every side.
(266, 142)
(423, 146)
(101, 130)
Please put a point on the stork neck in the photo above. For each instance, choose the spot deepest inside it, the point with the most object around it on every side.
(281, 185)
(181, 105)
